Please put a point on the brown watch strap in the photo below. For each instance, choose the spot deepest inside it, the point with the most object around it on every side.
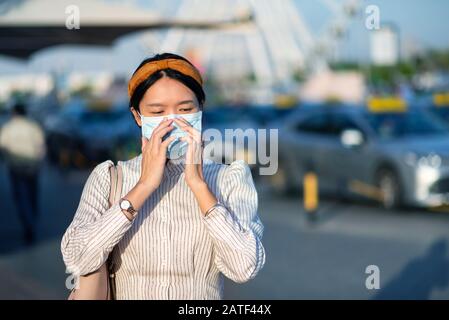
(130, 213)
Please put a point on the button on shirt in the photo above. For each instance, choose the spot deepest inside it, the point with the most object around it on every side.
(170, 250)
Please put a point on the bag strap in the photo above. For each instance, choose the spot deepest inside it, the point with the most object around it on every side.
(118, 190)
(115, 191)
(116, 176)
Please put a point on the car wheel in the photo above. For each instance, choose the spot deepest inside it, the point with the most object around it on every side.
(390, 189)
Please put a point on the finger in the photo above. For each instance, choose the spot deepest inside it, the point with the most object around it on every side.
(198, 152)
(187, 139)
(189, 155)
(144, 142)
(194, 151)
(163, 124)
(183, 124)
(181, 121)
(194, 132)
(168, 140)
(161, 133)
(164, 145)
(195, 136)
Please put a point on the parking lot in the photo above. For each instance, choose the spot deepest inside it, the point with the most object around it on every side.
(323, 258)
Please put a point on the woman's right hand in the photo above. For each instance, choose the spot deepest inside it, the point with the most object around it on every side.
(154, 155)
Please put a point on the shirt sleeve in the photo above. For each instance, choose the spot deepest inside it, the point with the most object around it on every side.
(235, 227)
(95, 228)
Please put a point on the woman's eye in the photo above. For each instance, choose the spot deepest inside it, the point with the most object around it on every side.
(187, 109)
(157, 112)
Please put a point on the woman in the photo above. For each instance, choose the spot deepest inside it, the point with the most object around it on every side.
(181, 222)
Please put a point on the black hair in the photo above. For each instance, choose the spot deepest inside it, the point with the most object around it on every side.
(188, 81)
(19, 109)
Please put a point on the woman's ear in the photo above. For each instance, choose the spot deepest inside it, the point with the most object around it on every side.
(136, 116)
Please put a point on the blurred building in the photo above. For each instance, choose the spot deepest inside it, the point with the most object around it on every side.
(345, 87)
(385, 46)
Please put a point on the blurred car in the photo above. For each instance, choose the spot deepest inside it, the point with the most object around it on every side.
(397, 157)
(438, 105)
(244, 119)
(226, 150)
(81, 136)
(265, 114)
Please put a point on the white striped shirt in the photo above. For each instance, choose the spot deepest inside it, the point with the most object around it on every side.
(170, 250)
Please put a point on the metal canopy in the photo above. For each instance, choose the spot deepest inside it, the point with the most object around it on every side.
(21, 41)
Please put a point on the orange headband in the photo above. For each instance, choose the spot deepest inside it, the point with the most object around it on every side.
(151, 67)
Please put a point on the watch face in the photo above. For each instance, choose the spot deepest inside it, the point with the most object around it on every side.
(125, 204)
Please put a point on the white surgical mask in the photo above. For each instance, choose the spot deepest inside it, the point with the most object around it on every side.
(176, 148)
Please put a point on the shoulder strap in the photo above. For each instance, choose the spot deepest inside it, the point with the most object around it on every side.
(118, 190)
(113, 185)
(116, 176)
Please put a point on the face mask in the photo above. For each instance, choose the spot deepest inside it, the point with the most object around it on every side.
(176, 148)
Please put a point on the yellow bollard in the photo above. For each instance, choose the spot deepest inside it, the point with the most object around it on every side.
(310, 183)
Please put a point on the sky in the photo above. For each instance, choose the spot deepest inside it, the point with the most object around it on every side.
(423, 24)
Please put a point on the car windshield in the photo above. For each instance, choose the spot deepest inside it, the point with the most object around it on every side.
(398, 125)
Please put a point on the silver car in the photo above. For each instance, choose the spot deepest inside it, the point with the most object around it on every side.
(397, 158)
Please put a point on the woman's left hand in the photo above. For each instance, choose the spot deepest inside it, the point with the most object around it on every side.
(194, 157)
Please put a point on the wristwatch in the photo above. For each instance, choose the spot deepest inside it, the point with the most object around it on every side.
(126, 206)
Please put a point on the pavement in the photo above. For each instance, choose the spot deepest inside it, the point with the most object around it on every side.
(324, 258)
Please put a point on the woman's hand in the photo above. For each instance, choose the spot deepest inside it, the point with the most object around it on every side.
(194, 167)
(154, 155)
(194, 157)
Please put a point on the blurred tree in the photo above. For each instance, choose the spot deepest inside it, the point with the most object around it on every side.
(299, 75)
(84, 91)
(439, 59)
(345, 66)
(21, 96)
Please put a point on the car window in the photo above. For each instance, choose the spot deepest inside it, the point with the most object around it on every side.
(341, 122)
(396, 125)
(221, 116)
(317, 123)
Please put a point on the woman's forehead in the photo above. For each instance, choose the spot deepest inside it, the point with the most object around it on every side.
(167, 89)
(166, 84)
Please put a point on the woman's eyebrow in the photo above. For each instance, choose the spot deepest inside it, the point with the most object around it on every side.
(155, 104)
(185, 102)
